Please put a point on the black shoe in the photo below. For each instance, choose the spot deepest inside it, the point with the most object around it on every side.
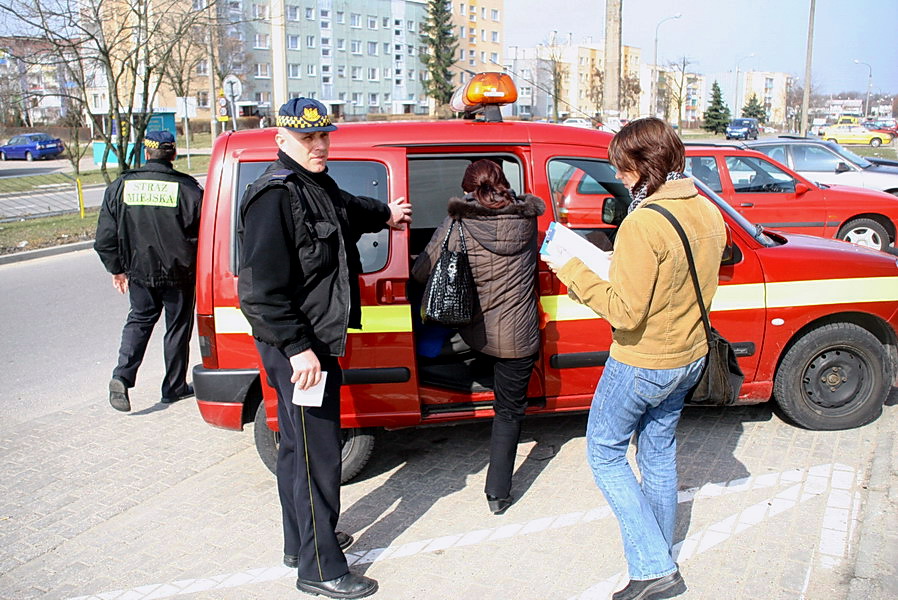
(652, 589)
(343, 539)
(118, 395)
(187, 393)
(499, 505)
(347, 586)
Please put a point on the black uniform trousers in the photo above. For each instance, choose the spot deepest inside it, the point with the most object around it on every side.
(308, 468)
(510, 379)
(147, 304)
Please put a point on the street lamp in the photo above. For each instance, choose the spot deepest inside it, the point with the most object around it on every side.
(652, 100)
(736, 107)
(869, 85)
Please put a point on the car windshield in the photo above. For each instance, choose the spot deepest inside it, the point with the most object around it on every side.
(851, 156)
(741, 123)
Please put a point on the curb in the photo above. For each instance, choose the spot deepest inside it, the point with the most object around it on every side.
(15, 257)
(875, 575)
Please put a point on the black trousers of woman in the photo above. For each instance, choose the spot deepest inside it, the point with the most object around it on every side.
(511, 376)
(308, 468)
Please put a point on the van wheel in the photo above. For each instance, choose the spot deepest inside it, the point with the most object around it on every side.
(358, 444)
(876, 142)
(833, 377)
(865, 232)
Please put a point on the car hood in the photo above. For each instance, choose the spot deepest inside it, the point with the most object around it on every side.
(805, 257)
(859, 194)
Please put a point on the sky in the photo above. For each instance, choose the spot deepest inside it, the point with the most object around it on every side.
(715, 35)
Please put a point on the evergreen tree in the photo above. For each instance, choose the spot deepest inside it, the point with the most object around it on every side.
(442, 45)
(755, 110)
(717, 116)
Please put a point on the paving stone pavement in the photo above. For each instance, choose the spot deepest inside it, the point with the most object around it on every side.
(157, 504)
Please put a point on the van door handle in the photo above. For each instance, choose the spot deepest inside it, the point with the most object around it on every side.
(391, 291)
(746, 204)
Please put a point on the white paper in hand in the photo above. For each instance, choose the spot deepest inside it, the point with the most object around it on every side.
(562, 243)
(312, 396)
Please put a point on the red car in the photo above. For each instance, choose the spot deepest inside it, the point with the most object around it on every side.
(769, 194)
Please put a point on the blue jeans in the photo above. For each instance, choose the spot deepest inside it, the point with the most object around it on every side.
(646, 402)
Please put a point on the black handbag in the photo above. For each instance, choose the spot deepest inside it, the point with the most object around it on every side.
(721, 377)
(450, 292)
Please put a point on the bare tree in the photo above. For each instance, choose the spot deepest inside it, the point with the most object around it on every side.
(677, 84)
(557, 70)
(595, 88)
(629, 92)
(119, 48)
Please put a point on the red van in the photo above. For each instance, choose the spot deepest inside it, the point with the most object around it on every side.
(813, 320)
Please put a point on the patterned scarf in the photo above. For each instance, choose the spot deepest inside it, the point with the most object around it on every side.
(639, 195)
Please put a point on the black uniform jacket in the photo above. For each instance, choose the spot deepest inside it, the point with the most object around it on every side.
(299, 264)
(148, 225)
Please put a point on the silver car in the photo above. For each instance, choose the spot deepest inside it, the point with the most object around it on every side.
(829, 163)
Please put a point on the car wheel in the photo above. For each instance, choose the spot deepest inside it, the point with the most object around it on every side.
(865, 232)
(29, 157)
(833, 377)
(875, 142)
(2, 155)
(358, 444)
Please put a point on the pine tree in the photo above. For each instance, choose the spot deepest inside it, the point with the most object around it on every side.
(717, 116)
(442, 45)
(754, 110)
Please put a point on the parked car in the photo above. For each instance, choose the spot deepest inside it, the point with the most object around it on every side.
(889, 126)
(828, 163)
(578, 122)
(855, 134)
(31, 146)
(742, 129)
(771, 195)
(813, 320)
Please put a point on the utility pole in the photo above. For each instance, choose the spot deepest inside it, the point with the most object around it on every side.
(611, 93)
(806, 96)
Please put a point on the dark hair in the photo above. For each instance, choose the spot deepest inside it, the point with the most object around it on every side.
(486, 182)
(650, 147)
(163, 152)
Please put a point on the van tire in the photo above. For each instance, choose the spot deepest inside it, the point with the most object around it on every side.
(865, 232)
(833, 377)
(358, 444)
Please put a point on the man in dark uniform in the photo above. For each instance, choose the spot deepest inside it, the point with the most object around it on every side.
(299, 289)
(146, 237)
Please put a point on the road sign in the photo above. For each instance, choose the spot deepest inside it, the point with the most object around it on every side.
(185, 107)
(233, 87)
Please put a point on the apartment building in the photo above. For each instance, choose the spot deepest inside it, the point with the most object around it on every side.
(771, 89)
(479, 29)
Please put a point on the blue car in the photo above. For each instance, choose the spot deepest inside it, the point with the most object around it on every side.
(31, 146)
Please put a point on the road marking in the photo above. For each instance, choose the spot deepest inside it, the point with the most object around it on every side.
(839, 519)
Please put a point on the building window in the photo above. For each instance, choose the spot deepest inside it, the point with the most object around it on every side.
(262, 41)
(202, 99)
(325, 41)
(411, 75)
(386, 48)
(310, 41)
(202, 67)
(494, 15)
(372, 48)
(341, 96)
(311, 70)
(325, 24)
(461, 32)
(461, 8)
(263, 70)
(310, 14)
(294, 71)
(495, 36)
(372, 99)
(355, 73)
(263, 98)
(292, 42)
(341, 17)
(355, 46)
(293, 13)
(325, 52)
(260, 11)
(372, 73)
(355, 20)
(341, 71)
(494, 57)
(341, 44)
(235, 6)
(325, 13)
(356, 98)
(410, 50)
(372, 22)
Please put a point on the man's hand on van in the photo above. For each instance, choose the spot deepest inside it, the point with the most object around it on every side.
(120, 282)
(306, 369)
(400, 213)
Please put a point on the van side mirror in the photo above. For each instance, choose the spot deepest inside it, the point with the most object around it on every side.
(613, 211)
(731, 254)
(842, 168)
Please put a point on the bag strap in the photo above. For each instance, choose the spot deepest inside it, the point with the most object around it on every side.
(698, 290)
(448, 235)
(461, 236)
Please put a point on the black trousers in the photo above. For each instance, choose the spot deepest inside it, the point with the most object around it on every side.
(510, 378)
(308, 469)
(147, 304)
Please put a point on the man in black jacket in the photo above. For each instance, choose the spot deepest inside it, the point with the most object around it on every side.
(146, 237)
(299, 289)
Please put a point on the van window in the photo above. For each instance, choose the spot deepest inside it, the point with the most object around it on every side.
(358, 177)
(704, 168)
(434, 179)
(579, 190)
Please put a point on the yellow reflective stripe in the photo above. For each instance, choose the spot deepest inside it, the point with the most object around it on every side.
(832, 291)
(375, 319)
(751, 296)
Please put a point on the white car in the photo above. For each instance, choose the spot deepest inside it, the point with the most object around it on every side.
(578, 122)
(829, 163)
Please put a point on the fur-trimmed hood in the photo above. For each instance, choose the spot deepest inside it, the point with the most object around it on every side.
(504, 231)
